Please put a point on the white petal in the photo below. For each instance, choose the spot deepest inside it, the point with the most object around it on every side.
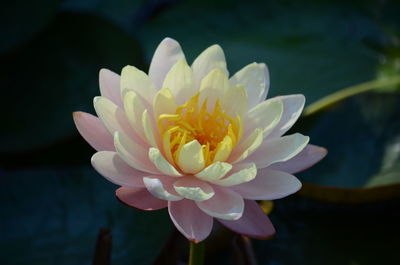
(134, 111)
(164, 103)
(213, 87)
(214, 171)
(279, 150)
(253, 78)
(225, 204)
(166, 55)
(211, 58)
(180, 81)
(191, 158)
(162, 164)
(265, 115)
(303, 160)
(133, 79)
(133, 154)
(193, 189)
(234, 101)
(269, 185)
(240, 173)
(247, 147)
(109, 86)
(292, 107)
(161, 188)
(114, 169)
(149, 132)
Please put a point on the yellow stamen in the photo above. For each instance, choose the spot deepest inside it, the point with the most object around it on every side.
(216, 131)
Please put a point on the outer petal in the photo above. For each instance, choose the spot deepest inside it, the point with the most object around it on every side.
(133, 154)
(240, 173)
(253, 223)
(161, 187)
(133, 79)
(114, 169)
(279, 150)
(269, 185)
(225, 204)
(180, 81)
(93, 131)
(191, 158)
(162, 164)
(109, 86)
(190, 220)
(140, 198)
(253, 78)
(305, 159)
(194, 189)
(292, 107)
(265, 115)
(211, 58)
(214, 171)
(166, 55)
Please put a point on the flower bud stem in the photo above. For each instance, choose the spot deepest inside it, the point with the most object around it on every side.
(196, 254)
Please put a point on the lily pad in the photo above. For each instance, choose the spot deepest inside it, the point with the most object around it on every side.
(53, 216)
(56, 74)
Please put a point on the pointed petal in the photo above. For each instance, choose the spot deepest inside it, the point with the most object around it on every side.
(109, 86)
(93, 131)
(134, 111)
(240, 173)
(180, 81)
(161, 187)
(162, 164)
(191, 158)
(303, 160)
(247, 147)
(253, 78)
(190, 220)
(115, 170)
(224, 149)
(265, 115)
(269, 185)
(133, 79)
(214, 171)
(253, 223)
(150, 133)
(164, 103)
(234, 101)
(193, 189)
(211, 58)
(279, 150)
(166, 55)
(213, 87)
(225, 204)
(133, 154)
(292, 107)
(140, 198)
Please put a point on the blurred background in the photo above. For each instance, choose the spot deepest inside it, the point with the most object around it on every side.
(53, 204)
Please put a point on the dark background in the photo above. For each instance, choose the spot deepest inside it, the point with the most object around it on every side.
(53, 203)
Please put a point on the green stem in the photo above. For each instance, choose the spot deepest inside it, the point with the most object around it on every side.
(348, 92)
(196, 255)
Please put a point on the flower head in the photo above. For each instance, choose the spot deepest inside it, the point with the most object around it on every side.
(196, 141)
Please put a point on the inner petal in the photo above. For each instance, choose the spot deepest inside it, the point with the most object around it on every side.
(214, 130)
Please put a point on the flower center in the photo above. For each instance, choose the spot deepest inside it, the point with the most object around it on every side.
(216, 131)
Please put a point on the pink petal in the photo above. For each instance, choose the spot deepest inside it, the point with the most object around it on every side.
(292, 107)
(166, 55)
(253, 223)
(93, 131)
(268, 185)
(109, 86)
(114, 169)
(305, 159)
(225, 204)
(190, 220)
(139, 198)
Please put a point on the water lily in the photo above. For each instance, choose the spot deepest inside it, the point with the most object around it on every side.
(197, 141)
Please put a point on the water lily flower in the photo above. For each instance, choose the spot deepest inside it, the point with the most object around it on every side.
(197, 141)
